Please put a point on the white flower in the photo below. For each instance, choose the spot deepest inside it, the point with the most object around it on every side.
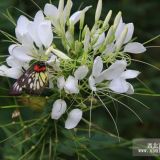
(71, 85)
(73, 118)
(59, 108)
(38, 32)
(116, 75)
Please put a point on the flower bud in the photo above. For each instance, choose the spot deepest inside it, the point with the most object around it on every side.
(59, 108)
(107, 19)
(117, 20)
(98, 10)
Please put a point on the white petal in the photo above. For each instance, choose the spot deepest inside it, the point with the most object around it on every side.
(21, 53)
(45, 33)
(97, 66)
(73, 118)
(109, 49)
(115, 70)
(71, 85)
(119, 85)
(39, 17)
(129, 35)
(119, 29)
(92, 83)
(50, 10)
(81, 72)
(13, 62)
(129, 74)
(27, 41)
(59, 108)
(130, 89)
(32, 29)
(11, 47)
(99, 41)
(14, 73)
(21, 28)
(60, 82)
(75, 17)
(134, 47)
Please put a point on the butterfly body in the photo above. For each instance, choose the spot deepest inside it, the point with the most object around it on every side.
(33, 80)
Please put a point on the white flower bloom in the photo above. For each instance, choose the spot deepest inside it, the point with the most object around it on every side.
(116, 75)
(59, 108)
(71, 85)
(73, 119)
(81, 72)
(28, 32)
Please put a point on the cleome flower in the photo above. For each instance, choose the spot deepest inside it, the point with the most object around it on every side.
(114, 76)
(98, 55)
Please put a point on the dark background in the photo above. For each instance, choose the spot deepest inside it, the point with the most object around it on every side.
(145, 14)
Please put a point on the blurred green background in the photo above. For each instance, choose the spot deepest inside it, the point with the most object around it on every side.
(145, 14)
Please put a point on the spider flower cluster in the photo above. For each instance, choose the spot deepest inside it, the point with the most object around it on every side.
(85, 62)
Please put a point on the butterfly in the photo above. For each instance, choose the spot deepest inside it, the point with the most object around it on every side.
(32, 81)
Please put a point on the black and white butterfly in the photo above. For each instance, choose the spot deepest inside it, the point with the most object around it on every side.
(33, 80)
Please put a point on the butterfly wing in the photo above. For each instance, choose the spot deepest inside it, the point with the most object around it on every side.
(31, 82)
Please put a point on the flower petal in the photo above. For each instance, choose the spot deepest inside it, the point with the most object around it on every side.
(92, 83)
(61, 82)
(14, 73)
(22, 27)
(129, 74)
(50, 10)
(130, 89)
(71, 85)
(110, 48)
(97, 66)
(99, 41)
(134, 47)
(73, 118)
(77, 15)
(119, 85)
(119, 29)
(59, 108)
(21, 53)
(81, 72)
(114, 71)
(32, 30)
(45, 33)
(39, 17)
(129, 35)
